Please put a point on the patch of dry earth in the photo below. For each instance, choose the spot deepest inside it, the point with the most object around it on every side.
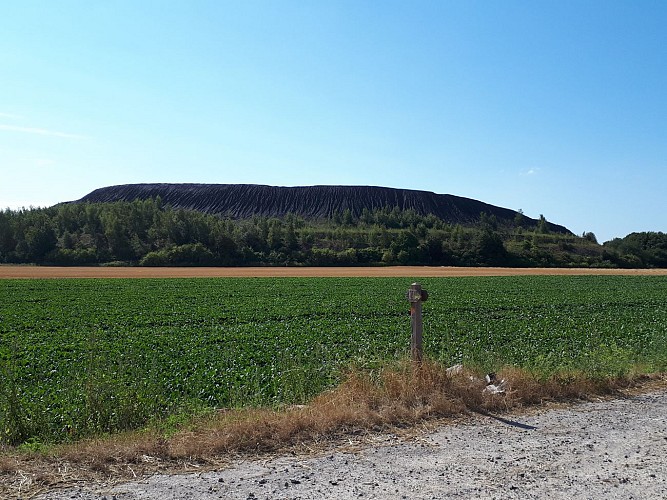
(31, 272)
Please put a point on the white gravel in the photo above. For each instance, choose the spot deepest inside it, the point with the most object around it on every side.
(609, 449)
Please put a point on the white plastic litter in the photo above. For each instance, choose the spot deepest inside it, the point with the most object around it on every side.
(454, 370)
(493, 385)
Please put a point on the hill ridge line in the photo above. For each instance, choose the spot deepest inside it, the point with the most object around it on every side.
(242, 201)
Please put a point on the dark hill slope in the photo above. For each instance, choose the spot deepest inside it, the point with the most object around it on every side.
(312, 202)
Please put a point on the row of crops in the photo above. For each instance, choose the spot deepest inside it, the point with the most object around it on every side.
(88, 356)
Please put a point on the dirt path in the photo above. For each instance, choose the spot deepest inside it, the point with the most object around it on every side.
(608, 449)
(16, 272)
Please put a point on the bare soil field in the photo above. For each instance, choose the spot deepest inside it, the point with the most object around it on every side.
(41, 272)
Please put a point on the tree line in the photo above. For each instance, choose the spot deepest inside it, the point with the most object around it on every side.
(148, 233)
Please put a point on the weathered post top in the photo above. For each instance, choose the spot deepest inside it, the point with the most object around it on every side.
(416, 293)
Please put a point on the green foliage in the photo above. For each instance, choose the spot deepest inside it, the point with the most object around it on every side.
(182, 255)
(605, 361)
(148, 233)
(590, 237)
(648, 249)
(32, 445)
(82, 357)
(542, 225)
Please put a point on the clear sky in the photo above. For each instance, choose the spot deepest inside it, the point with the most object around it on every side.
(553, 107)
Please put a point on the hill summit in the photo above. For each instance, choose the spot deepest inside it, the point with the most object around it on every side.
(241, 201)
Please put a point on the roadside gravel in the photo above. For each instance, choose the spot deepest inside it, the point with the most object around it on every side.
(608, 449)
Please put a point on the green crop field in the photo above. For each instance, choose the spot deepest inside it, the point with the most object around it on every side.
(86, 356)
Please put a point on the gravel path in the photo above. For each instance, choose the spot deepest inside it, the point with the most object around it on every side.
(609, 449)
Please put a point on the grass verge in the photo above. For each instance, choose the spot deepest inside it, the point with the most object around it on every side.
(395, 397)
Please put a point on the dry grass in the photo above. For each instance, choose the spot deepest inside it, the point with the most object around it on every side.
(397, 397)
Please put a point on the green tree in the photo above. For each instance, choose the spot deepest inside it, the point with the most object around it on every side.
(490, 249)
(275, 236)
(7, 240)
(590, 237)
(347, 219)
(519, 219)
(542, 225)
(291, 239)
(40, 238)
(118, 239)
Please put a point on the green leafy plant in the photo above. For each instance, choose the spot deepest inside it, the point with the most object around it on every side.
(85, 357)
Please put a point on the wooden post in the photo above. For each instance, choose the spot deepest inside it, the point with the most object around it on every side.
(416, 296)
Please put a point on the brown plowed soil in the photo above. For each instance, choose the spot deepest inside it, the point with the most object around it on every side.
(23, 272)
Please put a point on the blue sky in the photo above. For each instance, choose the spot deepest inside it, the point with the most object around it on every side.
(556, 108)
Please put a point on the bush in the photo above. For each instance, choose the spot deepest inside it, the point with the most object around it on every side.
(78, 257)
(155, 259)
(183, 255)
